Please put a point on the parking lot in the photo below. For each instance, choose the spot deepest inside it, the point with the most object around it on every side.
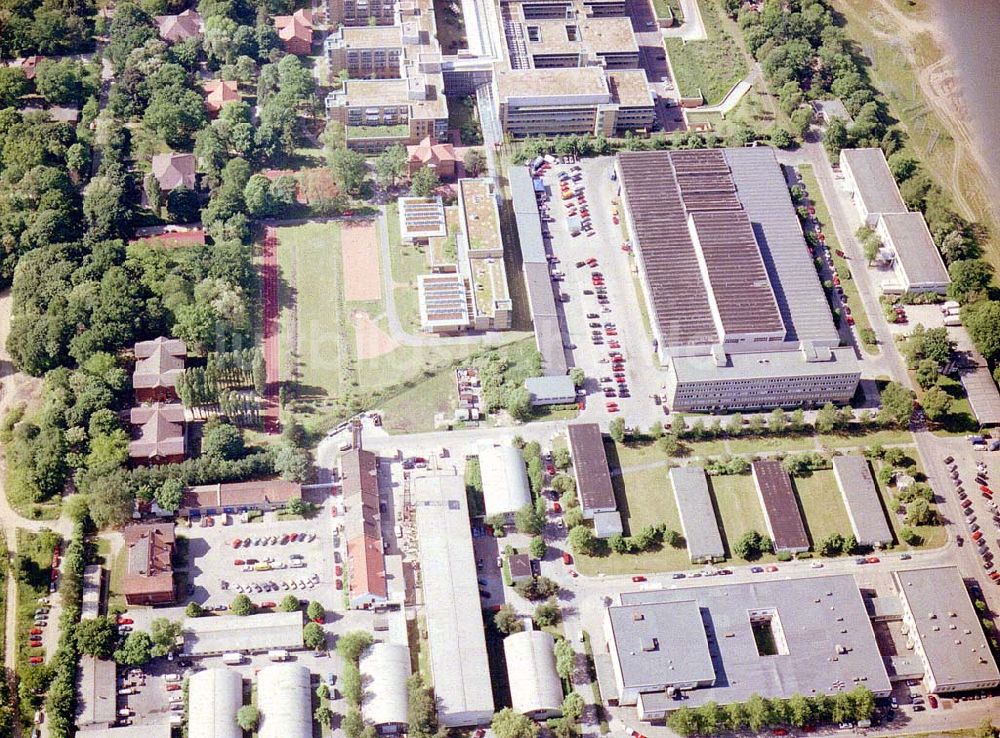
(972, 491)
(266, 565)
(607, 336)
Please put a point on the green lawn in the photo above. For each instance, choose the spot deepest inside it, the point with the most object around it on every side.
(771, 443)
(961, 419)
(413, 410)
(844, 269)
(713, 65)
(934, 536)
(822, 505)
(737, 504)
(881, 437)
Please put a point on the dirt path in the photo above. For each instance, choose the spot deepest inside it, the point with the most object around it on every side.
(938, 84)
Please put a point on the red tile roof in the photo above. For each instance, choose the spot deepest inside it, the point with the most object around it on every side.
(429, 151)
(174, 170)
(298, 26)
(160, 431)
(179, 27)
(220, 92)
(149, 569)
(359, 474)
(158, 363)
(367, 567)
(241, 493)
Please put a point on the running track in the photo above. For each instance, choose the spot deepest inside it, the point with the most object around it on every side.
(269, 298)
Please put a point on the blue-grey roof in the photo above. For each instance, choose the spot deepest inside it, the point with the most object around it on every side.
(552, 386)
(761, 188)
(861, 498)
(829, 642)
(544, 315)
(529, 226)
(694, 504)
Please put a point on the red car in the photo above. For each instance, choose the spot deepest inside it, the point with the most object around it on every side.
(567, 558)
(932, 701)
(591, 262)
(984, 488)
(35, 631)
(556, 507)
(237, 542)
(340, 584)
(872, 559)
(977, 535)
(612, 407)
(238, 562)
(638, 578)
(173, 687)
(338, 570)
(268, 604)
(35, 660)
(126, 621)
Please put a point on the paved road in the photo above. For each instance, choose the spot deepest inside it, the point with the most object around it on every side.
(693, 27)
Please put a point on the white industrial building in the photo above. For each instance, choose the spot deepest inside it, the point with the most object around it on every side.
(505, 480)
(456, 639)
(535, 687)
(872, 186)
(944, 631)
(248, 634)
(214, 698)
(284, 699)
(385, 667)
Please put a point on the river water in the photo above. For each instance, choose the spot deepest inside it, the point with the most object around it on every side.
(972, 28)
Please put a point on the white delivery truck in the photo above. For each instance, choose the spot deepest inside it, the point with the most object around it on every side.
(232, 658)
(278, 654)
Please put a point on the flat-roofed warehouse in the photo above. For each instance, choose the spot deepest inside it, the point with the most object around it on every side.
(505, 480)
(214, 698)
(781, 508)
(249, 634)
(456, 639)
(698, 521)
(284, 699)
(944, 630)
(981, 388)
(535, 686)
(738, 313)
(96, 706)
(537, 279)
(725, 642)
(871, 183)
(590, 466)
(862, 500)
(385, 667)
(916, 261)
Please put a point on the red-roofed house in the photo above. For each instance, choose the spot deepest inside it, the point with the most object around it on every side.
(159, 434)
(158, 364)
(237, 497)
(296, 31)
(218, 93)
(149, 573)
(180, 27)
(362, 528)
(175, 170)
(429, 153)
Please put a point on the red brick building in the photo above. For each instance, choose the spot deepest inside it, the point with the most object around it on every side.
(149, 573)
(158, 434)
(158, 365)
(296, 31)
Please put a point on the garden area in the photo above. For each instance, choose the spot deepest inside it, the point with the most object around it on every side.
(711, 66)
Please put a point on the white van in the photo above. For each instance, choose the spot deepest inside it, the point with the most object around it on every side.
(278, 654)
(171, 678)
(232, 658)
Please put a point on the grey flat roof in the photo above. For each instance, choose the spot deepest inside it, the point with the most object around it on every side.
(660, 641)
(830, 642)
(529, 225)
(694, 504)
(590, 463)
(96, 690)
(862, 500)
(981, 389)
(876, 187)
(915, 249)
(553, 386)
(544, 316)
(762, 190)
(764, 365)
(937, 600)
(260, 632)
(455, 634)
(607, 524)
(781, 509)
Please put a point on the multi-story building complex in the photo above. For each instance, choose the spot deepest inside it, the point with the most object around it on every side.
(361, 12)
(481, 252)
(739, 317)
(570, 68)
(395, 90)
(366, 51)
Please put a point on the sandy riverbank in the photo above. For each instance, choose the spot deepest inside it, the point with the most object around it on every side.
(921, 39)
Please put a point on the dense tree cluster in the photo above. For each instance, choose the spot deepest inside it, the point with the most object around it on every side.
(47, 27)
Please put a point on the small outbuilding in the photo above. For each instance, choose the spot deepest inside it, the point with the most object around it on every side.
(505, 480)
